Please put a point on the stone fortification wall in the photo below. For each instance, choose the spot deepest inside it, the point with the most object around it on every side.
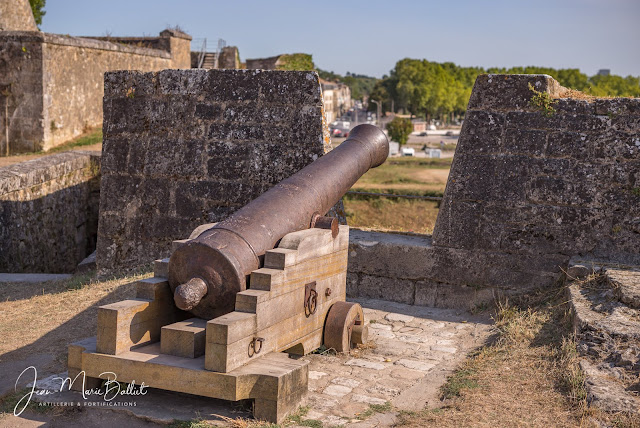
(523, 182)
(48, 212)
(16, 15)
(183, 148)
(73, 80)
(21, 70)
(526, 192)
(229, 58)
(54, 84)
(263, 63)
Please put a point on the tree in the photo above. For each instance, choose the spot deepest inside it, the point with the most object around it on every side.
(37, 7)
(400, 129)
(296, 61)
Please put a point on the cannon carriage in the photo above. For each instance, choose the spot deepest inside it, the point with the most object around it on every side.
(229, 313)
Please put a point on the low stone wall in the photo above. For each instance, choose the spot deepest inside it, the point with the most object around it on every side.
(410, 269)
(187, 147)
(53, 84)
(48, 212)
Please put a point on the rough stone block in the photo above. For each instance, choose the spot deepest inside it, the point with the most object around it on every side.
(193, 147)
(500, 91)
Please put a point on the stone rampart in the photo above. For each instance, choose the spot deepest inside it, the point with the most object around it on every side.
(53, 84)
(16, 15)
(523, 182)
(187, 147)
(526, 192)
(48, 212)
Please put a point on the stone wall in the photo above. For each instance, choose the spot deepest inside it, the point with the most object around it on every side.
(193, 146)
(53, 84)
(525, 183)
(263, 63)
(525, 193)
(48, 212)
(229, 58)
(73, 80)
(16, 15)
(411, 269)
(21, 71)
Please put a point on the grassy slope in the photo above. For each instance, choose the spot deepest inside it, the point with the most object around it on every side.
(403, 176)
(529, 376)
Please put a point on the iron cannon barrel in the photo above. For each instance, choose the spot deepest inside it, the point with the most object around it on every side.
(222, 257)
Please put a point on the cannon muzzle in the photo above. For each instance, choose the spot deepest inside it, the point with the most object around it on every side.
(206, 273)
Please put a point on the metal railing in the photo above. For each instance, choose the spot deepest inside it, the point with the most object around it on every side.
(203, 52)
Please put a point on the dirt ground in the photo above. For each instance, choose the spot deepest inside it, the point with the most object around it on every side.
(39, 320)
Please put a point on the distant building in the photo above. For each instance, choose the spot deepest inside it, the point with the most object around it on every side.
(337, 99)
(604, 72)
(419, 125)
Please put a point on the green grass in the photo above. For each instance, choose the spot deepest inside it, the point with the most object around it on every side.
(462, 379)
(297, 418)
(375, 408)
(402, 170)
(88, 139)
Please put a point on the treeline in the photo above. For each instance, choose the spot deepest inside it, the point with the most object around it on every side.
(441, 90)
(360, 85)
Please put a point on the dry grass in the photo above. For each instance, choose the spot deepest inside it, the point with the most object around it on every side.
(45, 318)
(411, 176)
(529, 376)
(404, 215)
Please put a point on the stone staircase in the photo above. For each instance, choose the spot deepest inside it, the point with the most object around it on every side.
(605, 301)
(210, 60)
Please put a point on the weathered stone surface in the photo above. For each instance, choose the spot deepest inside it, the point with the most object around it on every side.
(508, 92)
(55, 82)
(49, 212)
(524, 183)
(409, 269)
(15, 15)
(193, 148)
(605, 314)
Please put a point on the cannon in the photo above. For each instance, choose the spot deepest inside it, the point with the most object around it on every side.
(207, 272)
(221, 316)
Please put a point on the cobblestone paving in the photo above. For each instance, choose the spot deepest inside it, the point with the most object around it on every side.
(412, 350)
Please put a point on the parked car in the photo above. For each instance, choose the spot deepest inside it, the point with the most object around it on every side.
(339, 132)
(408, 151)
(423, 134)
(449, 134)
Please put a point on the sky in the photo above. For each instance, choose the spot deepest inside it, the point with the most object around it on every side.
(369, 37)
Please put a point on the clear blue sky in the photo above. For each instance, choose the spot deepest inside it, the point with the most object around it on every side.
(368, 37)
